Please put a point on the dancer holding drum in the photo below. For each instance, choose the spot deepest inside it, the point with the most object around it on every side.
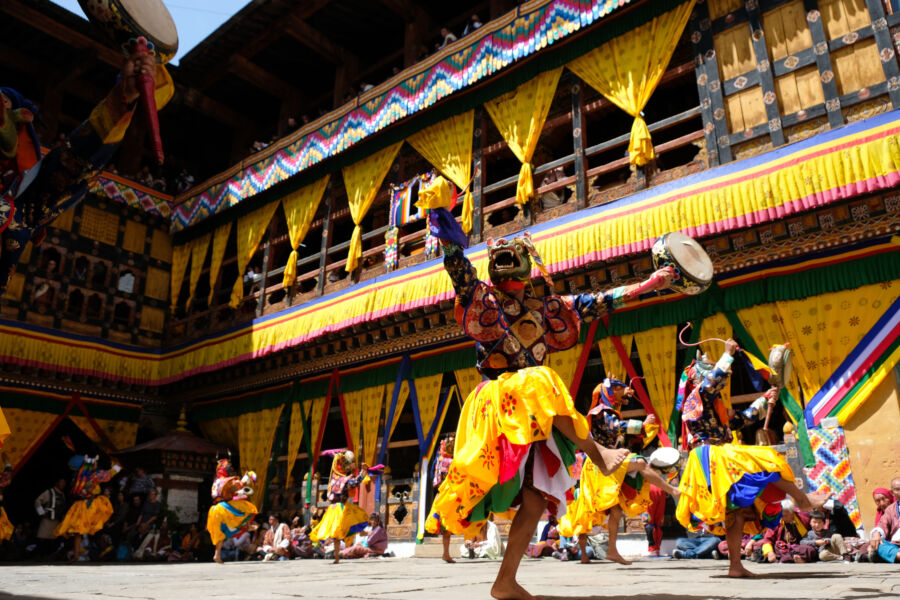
(519, 429)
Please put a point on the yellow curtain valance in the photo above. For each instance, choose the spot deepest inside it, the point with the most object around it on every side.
(627, 69)
(520, 116)
(199, 248)
(250, 231)
(299, 210)
(362, 181)
(656, 349)
(448, 146)
(220, 241)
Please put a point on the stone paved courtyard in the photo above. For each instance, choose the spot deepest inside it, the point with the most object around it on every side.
(401, 579)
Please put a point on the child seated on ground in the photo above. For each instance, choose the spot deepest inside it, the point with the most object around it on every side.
(829, 544)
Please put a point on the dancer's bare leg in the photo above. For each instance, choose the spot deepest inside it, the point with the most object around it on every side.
(337, 551)
(446, 542)
(805, 501)
(582, 545)
(607, 460)
(653, 476)
(76, 548)
(505, 586)
(612, 524)
(218, 554)
(733, 535)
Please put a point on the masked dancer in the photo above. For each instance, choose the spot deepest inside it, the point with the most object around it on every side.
(742, 486)
(517, 432)
(231, 510)
(343, 519)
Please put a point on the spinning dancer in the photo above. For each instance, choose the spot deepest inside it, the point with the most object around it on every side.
(231, 510)
(89, 514)
(344, 518)
(517, 433)
(604, 498)
(742, 486)
(441, 468)
(34, 190)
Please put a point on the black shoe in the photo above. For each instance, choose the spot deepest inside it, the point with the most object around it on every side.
(678, 554)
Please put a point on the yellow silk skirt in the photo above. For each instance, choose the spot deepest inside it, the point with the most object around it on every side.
(341, 521)
(505, 440)
(598, 494)
(82, 518)
(722, 478)
(226, 518)
(6, 527)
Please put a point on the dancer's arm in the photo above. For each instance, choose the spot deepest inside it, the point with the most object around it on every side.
(592, 305)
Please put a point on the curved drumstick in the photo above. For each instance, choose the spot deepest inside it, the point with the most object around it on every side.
(684, 343)
(147, 89)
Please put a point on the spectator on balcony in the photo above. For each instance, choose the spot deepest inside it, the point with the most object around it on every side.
(144, 176)
(473, 24)
(447, 36)
(185, 181)
(556, 197)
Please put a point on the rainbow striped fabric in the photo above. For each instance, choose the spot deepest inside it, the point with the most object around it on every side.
(832, 473)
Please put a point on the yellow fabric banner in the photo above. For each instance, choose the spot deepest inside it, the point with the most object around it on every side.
(612, 364)
(565, 363)
(222, 431)
(180, 256)
(26, 428)
(4, 428)
(824, 329)
(220, 240)
(656, 347)
(122, 434)
(627, 69)
(299, 209)
(316, 422)
(353, 402)
(250, 231)
(448, 147)
(520, 116)
(398, 410)
(295, 436)
(362, 181)
(199, 248)
(716, 326)
(371, 416)
(428, 392)
(467, 380)
(256, 433)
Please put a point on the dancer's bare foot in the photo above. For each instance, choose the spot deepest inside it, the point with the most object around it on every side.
(218, 559)
(616, 557)
(448, 559)
(813, 501)
(739, 571)
(585, 560)
(771, 557)
(502, 590)
(336, 562)
(612, 459)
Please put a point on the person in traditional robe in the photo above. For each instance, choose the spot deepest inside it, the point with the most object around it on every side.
(441, 468)
(277, 541)
(742, 486)
(231, 510)
(343, 519)
(884, 540)
(487, 545)
(375, 544)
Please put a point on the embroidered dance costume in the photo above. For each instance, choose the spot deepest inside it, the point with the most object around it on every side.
(344, 518)
(505, 438)
(90, 513)
(598, 493)
(231, 510)
(721, 477)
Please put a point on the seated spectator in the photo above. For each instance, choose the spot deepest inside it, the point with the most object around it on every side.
(884, 543)
(783, 544)
(569, 550)
(149, 512)
(156, 545)
(185, 181)
(487, 545)
(447, 36)
(895, 488)
(473, 24)
(697, 544)
(883, 498)
(302, 545)
(374, 545)
(365, 87)
(144, 176)
(190, 545)
(556, 197)
(130, 528)
(277, 540)
(830, 545)
(141, 484)
(548, 542)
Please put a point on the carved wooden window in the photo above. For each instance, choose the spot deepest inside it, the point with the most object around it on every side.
(771, 72)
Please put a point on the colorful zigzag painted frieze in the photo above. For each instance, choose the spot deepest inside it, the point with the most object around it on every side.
(492, 48)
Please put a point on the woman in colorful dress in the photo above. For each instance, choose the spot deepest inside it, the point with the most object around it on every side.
(518, 431)
(89, 514)
(603, 499)
(231, 510)
(742, 486)
(441, 468)
(343, 519)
